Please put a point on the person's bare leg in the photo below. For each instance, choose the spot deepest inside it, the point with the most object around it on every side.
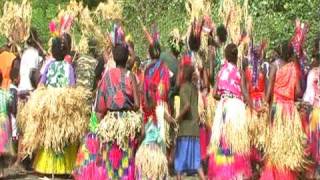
(19, 158)
(201, 174)
(1, 172)
(179, 177)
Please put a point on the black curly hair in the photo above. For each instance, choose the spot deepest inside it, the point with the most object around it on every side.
(222, 33)
(57, 50)
(120, 55)
(287, 51)
(231, 53)
(155, 50)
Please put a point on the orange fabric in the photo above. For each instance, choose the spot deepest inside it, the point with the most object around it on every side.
(258, 91)
(285, 82)
(6, 59)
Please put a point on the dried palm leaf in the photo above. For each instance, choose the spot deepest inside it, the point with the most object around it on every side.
(54, 117)
(18, 17)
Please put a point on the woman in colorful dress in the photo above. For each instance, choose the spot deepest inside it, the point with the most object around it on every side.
(151, 161)
(57, 74)
(117, 92)
(256, 84)
(229, 151)
(6, 146)
(312, 97)
(284, 150)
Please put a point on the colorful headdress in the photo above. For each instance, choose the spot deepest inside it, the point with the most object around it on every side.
(298, 39)
(153, 39)
(297, 42)
(255, 58)
(118, 36)
(64, 25)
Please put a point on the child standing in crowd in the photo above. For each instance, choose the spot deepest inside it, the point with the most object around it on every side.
(13, 89)
(187, 155)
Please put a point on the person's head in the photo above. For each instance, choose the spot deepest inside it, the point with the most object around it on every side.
(194, 42)
(15, 72)
(120, 55)
(222, 33)
(231, 53)
(187, 73)
(57, 49)
(66, 42)
(33, 38)
(155, 50)
(287, 51)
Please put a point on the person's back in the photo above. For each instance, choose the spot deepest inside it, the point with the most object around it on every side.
(229, 80)
(285, 81)
(30, 60)
(85, 71)
(189, 126)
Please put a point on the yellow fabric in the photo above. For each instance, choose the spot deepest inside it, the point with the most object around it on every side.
(6, 59)
(223, 159)
(315, 119)
(49, 162)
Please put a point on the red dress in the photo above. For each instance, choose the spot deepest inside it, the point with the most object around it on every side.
(284, 109)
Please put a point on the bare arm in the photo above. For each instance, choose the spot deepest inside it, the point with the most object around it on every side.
(272, 76)
(211, 63)
(298, 90)
(244, 90)
(135, 92)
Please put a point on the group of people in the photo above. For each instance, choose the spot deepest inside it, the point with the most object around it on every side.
(178, 113)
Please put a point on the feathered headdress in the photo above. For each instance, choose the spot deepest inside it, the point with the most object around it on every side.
(153, 39)
(297, 42)
(298, 39)
(63, 27)
(117, 35)
(255, 58)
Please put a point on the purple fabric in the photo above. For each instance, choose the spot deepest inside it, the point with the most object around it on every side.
(43, 79)
(72, 76)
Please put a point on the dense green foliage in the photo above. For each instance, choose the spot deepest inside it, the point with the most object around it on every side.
(273, 19)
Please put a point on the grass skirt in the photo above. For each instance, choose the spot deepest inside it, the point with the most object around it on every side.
(187, 155)
(286, 140)
(229, 156)
(49, 162)
(230, 124)
(53, 118)
(151, 162)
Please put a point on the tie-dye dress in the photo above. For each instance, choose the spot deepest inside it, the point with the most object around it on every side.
(102, 159)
